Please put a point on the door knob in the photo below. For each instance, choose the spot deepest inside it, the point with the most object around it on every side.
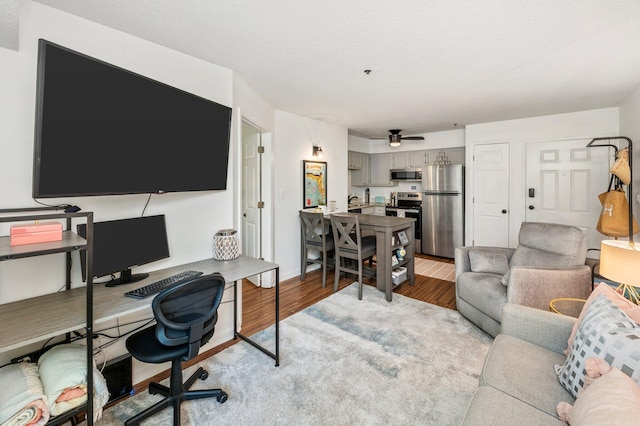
(504, 211)
(531, 207)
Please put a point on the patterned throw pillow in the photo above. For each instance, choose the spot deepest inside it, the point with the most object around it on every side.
(606, 332)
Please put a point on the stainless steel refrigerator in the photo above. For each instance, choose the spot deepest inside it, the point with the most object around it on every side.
(442, 209)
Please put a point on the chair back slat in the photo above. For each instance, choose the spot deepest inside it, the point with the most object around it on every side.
(313, 227)
(346, 235)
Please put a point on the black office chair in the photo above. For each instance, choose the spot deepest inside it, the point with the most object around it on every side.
(186, 316)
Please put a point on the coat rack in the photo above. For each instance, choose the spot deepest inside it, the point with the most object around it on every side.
(630, 191)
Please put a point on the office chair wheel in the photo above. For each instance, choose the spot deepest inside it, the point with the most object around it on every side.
(222, 398)
(204, 375)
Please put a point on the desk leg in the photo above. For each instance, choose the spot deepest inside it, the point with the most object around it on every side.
(277, 325)
(236, 334)
(235, 310)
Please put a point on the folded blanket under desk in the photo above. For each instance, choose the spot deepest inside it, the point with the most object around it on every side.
(22, 395)
(59, 381)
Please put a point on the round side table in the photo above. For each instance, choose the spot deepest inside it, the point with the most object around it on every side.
(567, 306)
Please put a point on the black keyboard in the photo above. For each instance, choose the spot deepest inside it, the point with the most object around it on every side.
(158, 286)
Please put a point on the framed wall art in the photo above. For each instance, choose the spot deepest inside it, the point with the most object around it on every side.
(314, 183)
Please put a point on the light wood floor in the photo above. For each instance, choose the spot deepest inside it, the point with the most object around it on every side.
(258, 303)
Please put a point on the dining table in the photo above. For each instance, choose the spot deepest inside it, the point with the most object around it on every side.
(387, 230)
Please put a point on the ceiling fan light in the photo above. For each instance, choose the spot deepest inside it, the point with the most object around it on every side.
(394, 143)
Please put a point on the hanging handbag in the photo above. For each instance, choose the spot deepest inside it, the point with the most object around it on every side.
(614, 219)
(621, 167)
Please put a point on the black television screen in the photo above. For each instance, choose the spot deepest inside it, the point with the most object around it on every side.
(119, 245)
(103, 130)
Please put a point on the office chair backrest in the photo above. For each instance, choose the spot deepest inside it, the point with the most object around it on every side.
(187, 313)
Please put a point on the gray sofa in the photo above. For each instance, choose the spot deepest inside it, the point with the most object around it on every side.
(518, 384)
(548, 263)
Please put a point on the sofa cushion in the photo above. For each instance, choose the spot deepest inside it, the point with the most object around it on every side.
(548, 245)
(490, 262)
(492, 407)
(483, 291)
(525, 371)
(605, 332)
(612, 399)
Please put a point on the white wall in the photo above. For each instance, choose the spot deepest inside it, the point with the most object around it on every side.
(585, 124)
(192, 218)
(293, 142)
(630, 127)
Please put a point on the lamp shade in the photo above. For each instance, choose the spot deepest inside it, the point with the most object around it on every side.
(620, 262)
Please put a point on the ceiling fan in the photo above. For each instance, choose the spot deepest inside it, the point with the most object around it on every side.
(395, 137)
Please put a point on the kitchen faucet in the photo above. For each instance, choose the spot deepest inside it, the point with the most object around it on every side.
(351, 198)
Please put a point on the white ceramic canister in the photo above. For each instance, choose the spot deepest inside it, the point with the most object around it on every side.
(225, 245)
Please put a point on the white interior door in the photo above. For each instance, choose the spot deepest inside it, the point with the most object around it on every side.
(490, 186)
(563, 181)
(251, 191)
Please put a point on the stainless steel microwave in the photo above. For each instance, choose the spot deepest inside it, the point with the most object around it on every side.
(406, 174)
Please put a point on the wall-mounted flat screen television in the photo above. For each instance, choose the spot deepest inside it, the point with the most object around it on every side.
(103, 130)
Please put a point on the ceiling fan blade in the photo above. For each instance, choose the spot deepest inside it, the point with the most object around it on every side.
(413, 138)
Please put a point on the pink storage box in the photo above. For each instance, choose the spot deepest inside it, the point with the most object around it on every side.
(41, 233)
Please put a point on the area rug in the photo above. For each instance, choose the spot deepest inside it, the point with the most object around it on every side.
(434, 269)
(344, 361)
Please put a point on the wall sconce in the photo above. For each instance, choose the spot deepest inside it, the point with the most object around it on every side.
(317, 152)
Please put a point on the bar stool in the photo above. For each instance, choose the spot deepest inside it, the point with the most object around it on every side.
(315, 236)
(351, 245)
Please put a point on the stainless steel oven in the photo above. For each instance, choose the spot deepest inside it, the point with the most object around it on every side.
(409, 204)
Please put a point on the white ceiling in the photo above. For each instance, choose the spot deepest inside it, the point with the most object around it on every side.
(434, 62)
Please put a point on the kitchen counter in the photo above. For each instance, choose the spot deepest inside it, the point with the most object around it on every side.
(355, 206)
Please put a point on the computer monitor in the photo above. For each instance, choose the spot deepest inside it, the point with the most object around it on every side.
(120, 245)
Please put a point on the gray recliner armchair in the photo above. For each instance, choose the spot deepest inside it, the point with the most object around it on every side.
(548, 263)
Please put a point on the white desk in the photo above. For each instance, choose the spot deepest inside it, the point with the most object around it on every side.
(55, 314)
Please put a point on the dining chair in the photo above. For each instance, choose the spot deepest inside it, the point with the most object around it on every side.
(352, 249)
(316, 236)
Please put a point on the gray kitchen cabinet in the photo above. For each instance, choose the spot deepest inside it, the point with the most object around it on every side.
(380, 170)
(399, 160)
(379, 210)
(360, 176)
(356, 160)
(456, 155)
(367, 210)
(453, 155)
(418, 158)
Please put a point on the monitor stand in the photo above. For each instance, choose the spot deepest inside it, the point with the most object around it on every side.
(126, 277)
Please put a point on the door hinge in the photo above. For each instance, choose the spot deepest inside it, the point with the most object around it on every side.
(261, 204)
(261, 149)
